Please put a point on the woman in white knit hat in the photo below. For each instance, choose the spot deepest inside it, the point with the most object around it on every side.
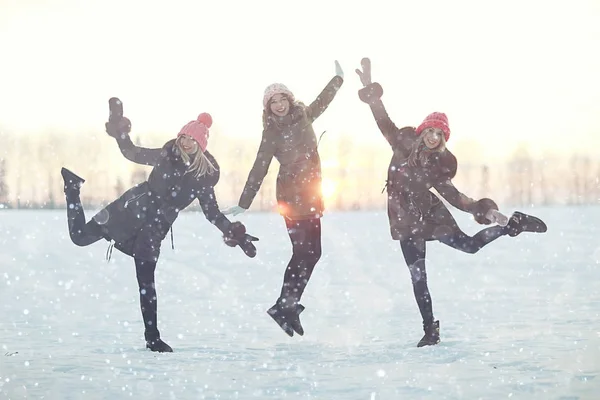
(288, 136)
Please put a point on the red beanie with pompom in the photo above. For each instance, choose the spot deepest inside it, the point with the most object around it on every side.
(198, 130)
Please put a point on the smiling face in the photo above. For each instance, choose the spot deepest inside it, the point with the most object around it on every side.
(189, 145)
(280, 105)
(432, 138)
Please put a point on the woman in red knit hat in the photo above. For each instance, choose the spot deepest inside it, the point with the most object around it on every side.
(420, 162)
(137, 222)
(289, 137)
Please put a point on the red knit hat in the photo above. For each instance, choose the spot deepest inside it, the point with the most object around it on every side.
(435, 120)
(198, 130)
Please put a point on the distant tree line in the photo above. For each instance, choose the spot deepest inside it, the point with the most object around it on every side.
(30, 173)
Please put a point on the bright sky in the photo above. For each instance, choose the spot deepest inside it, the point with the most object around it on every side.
(519, 70)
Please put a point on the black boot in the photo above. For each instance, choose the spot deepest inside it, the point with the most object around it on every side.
(72, 182)
(155, 343)
(520, 222)
(432, 334)
(287, 317)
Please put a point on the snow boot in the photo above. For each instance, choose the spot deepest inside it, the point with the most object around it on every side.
(154, 342)
(287, 317)
(432, 334)
(520, 222)
(72, 182)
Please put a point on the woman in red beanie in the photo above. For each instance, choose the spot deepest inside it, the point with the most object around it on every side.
(420, 162)
(288, 136)
(183, 170)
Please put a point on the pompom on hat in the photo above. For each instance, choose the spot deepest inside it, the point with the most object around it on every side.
(198, 130)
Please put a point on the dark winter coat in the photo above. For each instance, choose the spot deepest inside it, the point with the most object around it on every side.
(139, 220)
(413, 210)
(292, 141)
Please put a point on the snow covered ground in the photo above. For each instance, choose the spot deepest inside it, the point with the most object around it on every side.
(519, 319)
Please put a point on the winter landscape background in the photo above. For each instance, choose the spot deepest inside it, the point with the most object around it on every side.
(519, 83)
(518, 319)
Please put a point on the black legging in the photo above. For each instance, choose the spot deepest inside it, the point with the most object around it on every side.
(144, 271)
(84, 234)
(414, 255)
(305, 236)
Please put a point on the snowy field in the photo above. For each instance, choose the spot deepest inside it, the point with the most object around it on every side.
(519, 320)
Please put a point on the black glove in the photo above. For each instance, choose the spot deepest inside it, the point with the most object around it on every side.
(365, 74)
(117, 126)
(481, 208)
(236, 236)
(119, 129)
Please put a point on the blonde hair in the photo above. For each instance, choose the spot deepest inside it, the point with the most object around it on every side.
(421, 153)
(200, 165)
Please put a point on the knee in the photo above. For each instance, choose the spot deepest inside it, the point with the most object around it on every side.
(78, 238)
(147, 289)
(307, 251)
(316, 254)
(311, 256)
(418, 274)
(470, 246)
(471, 250)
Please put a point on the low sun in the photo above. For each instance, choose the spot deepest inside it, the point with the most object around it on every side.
(328, 187)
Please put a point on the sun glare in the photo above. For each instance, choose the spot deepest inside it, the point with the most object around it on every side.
(328, 187)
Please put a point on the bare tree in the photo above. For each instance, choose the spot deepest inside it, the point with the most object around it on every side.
(485, 180)
(3, 184)
(119, 187)
(521, 177)
(344, 158)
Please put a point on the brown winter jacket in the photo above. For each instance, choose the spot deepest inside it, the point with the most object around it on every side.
(292, 141)
(413, 210)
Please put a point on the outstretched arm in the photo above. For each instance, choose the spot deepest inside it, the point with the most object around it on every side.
(457, 199)
(210, 207)
(234, 233)
(259, 171)
(139, 155)
(371, 94)
(323, 100)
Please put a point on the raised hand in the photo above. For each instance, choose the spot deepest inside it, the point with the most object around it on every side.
(338, 69)
(365, 74)
(234, 210)
(117, 126)
(118, 129)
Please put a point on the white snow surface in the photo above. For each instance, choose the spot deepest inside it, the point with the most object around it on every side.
(519, 319)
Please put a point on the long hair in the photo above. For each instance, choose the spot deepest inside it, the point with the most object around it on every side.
(200, 165)
(420, 153)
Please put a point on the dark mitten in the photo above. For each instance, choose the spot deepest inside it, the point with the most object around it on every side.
(236, 236)
(481, 208)
(370, 93)
(119, 129)
(365, 74)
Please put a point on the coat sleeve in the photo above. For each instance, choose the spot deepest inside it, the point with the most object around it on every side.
(317, 107)
(138, 155)
(210, 207)
(457, 199)
(371, 94)
(259, 170)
